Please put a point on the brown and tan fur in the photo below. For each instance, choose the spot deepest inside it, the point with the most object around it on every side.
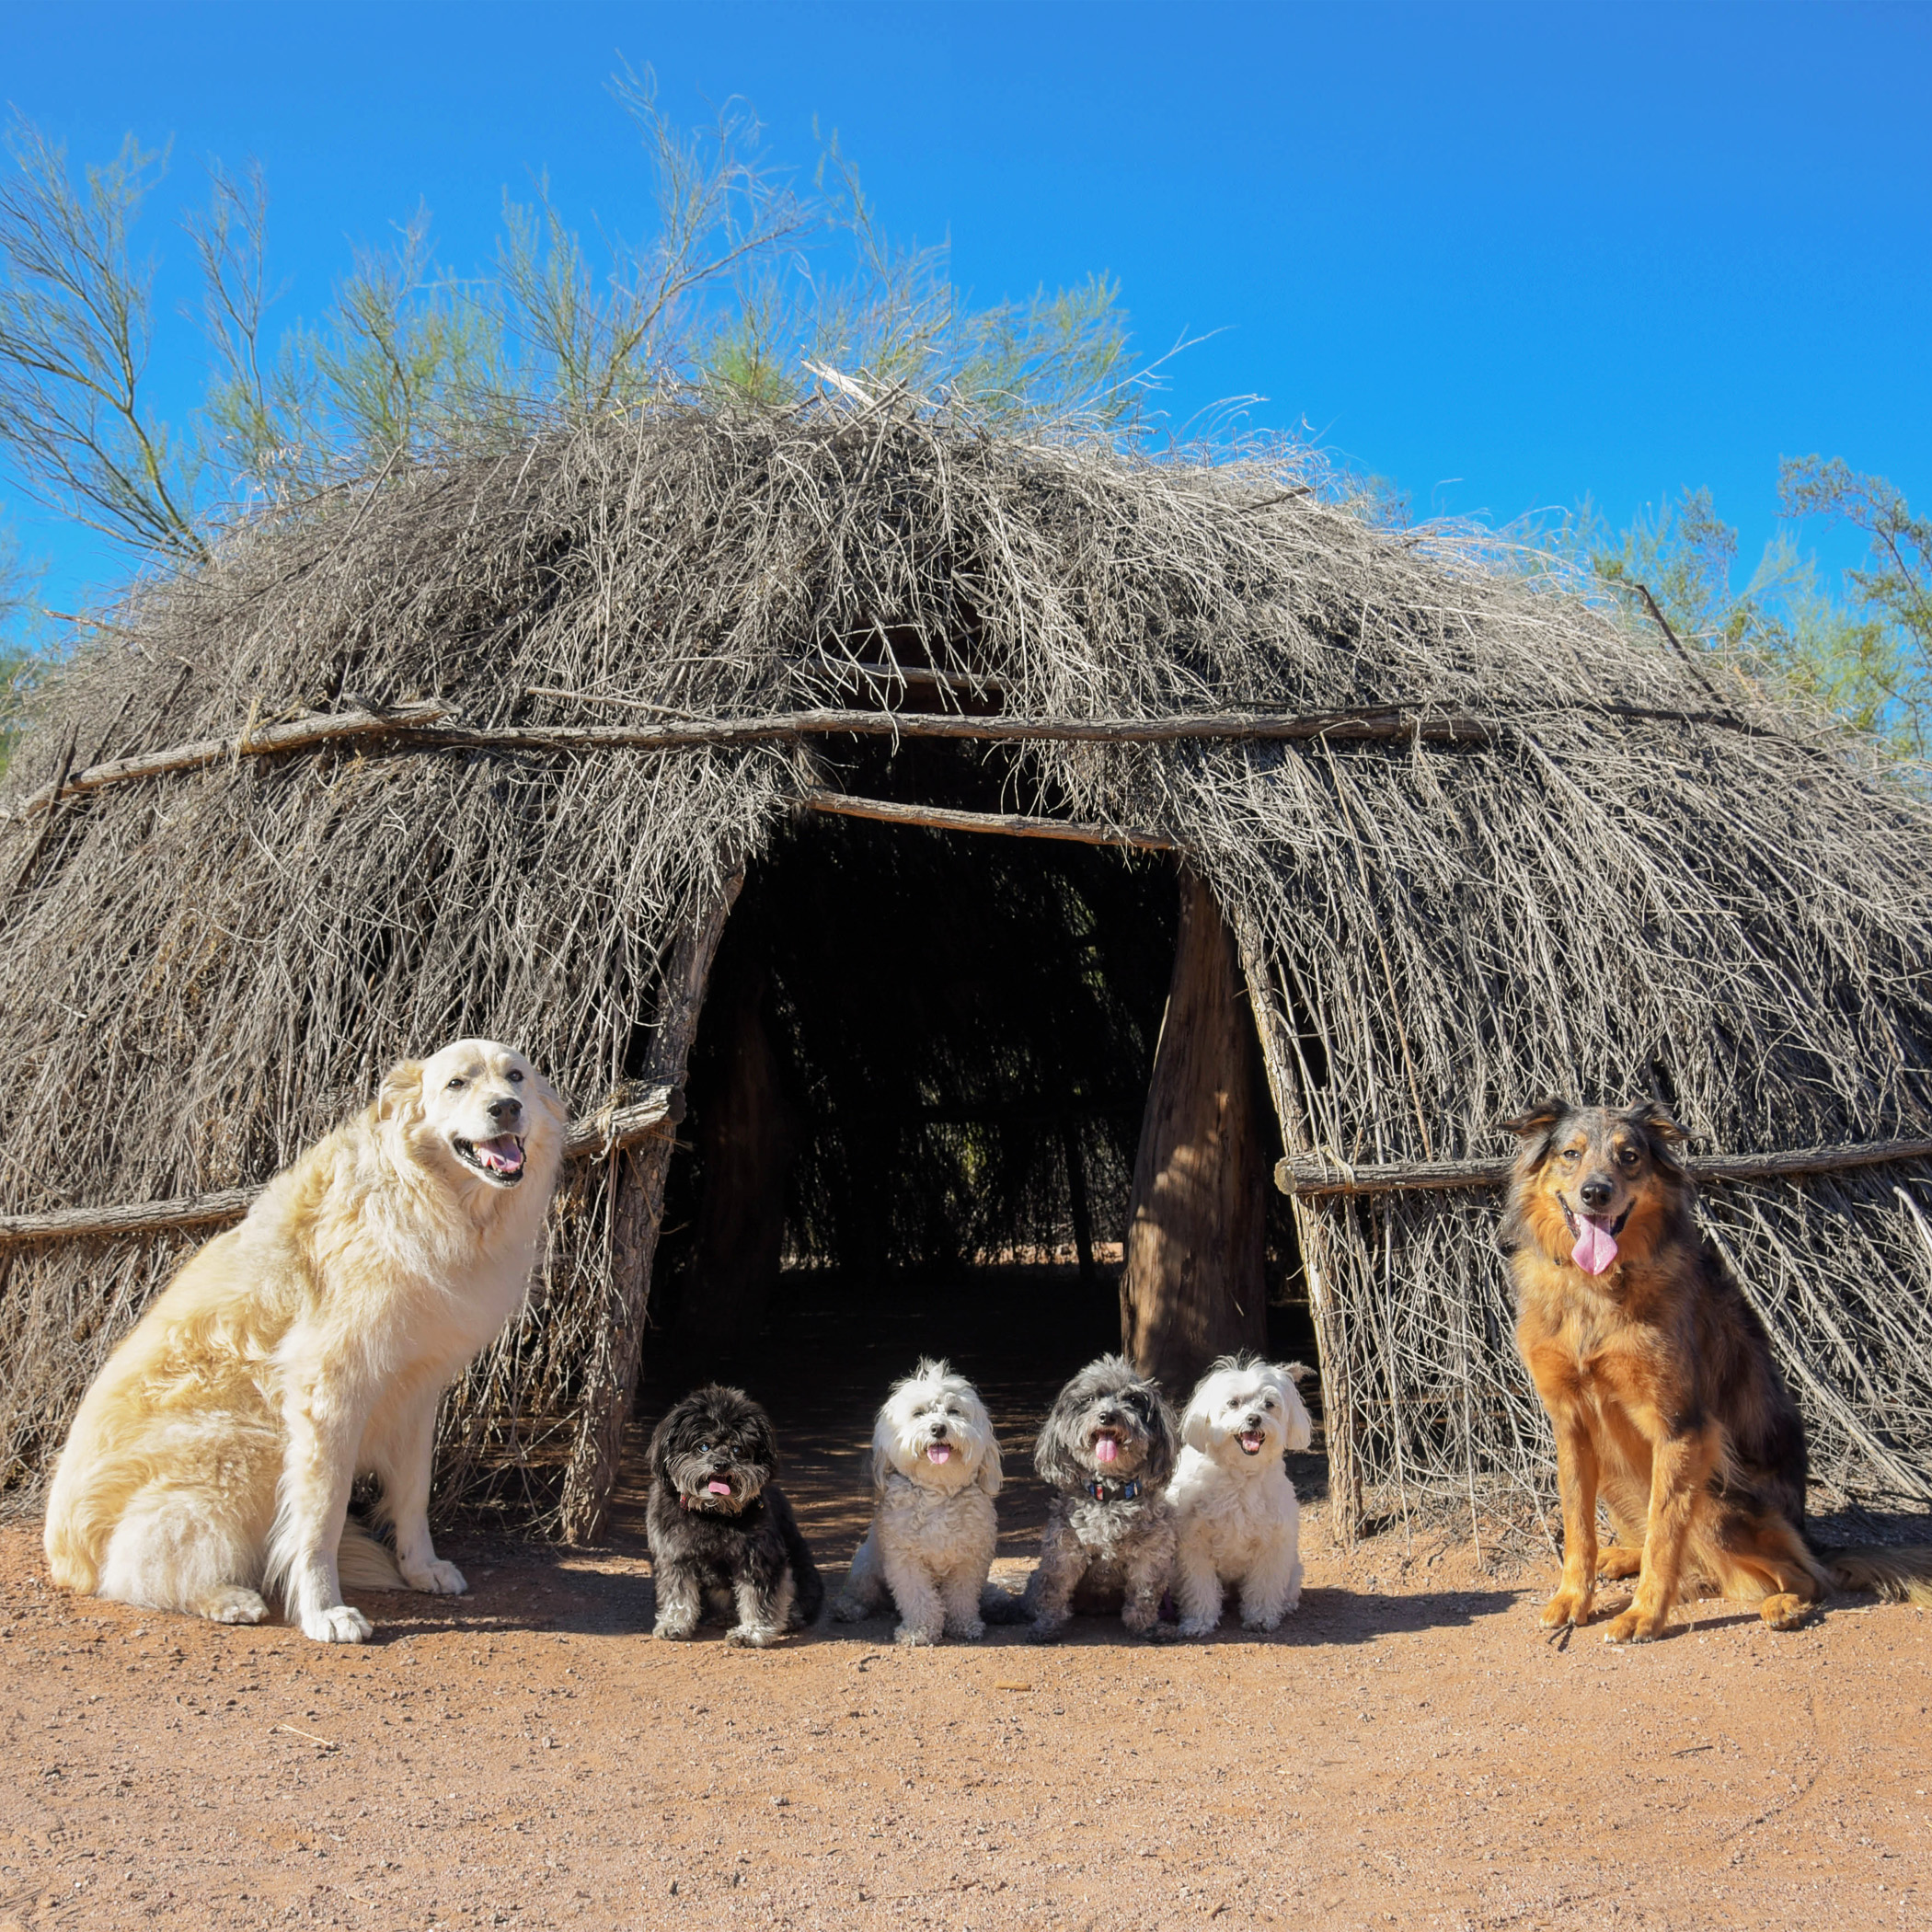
(1659, 1383)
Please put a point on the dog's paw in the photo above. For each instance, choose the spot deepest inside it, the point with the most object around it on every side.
(1045, 1632)
(673, 1632)
(915, 1634)
(1785, 1611)
(1158, 1631)
(435, 1578)
(969, 1630)
(847, 1610)
(1568, 1606)
(1256, 1621)
(753, 1637)
(1635, 1626)
(340, 1624)
(1197, 1626)
(233, 1604)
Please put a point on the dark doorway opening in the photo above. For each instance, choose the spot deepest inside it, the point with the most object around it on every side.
(914, 1109)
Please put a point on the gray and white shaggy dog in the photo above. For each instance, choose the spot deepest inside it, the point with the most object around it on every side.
(1106, 1450)
(936, 1470)
(722, 1534)
(1236, 1520)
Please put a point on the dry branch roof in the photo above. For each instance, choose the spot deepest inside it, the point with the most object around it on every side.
(1624, 876)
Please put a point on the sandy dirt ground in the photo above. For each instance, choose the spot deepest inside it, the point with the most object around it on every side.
(1408, 1751)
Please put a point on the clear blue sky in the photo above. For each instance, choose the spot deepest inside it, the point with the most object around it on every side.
(1506, 255)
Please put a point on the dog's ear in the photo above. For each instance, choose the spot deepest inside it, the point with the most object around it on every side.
(400, 1091)
(1052, 1453)
(1537, 1129)
(1663, 1136)
(765, 1439)
(1300, 1424)
(548, 1099)
(1194, 1418)
(1162, 1438)
(991, 1474)
(882, 1432)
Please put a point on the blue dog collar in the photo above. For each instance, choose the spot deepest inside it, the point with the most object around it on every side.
(1122, 1491)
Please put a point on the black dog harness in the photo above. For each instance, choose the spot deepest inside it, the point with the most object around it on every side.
(1113, 1492)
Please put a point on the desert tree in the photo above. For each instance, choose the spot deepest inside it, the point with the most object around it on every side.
(76, 330)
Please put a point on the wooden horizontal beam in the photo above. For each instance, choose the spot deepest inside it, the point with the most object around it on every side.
(1309, 1174)
(300, 734)
(654, 1109)
(1008, 825)
(424, 725)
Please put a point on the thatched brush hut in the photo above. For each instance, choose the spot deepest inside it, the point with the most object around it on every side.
(1404, 841)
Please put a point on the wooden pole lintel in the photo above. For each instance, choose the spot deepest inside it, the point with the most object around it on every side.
(936, 818)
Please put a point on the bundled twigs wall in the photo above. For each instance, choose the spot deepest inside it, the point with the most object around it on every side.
(474, 752)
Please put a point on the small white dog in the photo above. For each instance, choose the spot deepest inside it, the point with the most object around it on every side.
(936, 1470)
(213, 1457)
(1238, 1521)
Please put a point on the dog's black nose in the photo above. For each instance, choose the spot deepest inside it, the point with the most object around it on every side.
(1254, 1421)
(1597, 1194)
(1109, 1415)
(505, 1109)
(938, 1431)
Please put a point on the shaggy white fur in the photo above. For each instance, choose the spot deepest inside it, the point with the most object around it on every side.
(212, 1460)
(1238, 1521)
(936, 1469)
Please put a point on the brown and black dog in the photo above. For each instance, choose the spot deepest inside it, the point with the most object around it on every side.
(1660, 1383)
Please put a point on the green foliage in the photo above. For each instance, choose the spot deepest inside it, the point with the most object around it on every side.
(75, 331)
(742, 287)
(1867, 659)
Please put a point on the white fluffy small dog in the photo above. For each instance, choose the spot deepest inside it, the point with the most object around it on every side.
(1238, 1521)
(936, 1470)
(212, 1459)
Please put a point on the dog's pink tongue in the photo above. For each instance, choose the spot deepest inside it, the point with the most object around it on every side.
(940, 1452)
(1595, 1249)
(721, 1489)
(502, 1153)
(1106, 1449)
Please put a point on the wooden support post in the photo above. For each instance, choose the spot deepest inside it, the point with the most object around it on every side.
(1311, 1232)
(747, 1138)
(1193, 1285)
(1077, 1198)
(637, 1179)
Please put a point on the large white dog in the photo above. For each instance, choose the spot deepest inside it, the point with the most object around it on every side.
(936, 1470)
(1238, 1521)
(212, 1458)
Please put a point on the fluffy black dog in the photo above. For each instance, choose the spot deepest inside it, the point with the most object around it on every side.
(1106, 1449)
(722, 1536)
